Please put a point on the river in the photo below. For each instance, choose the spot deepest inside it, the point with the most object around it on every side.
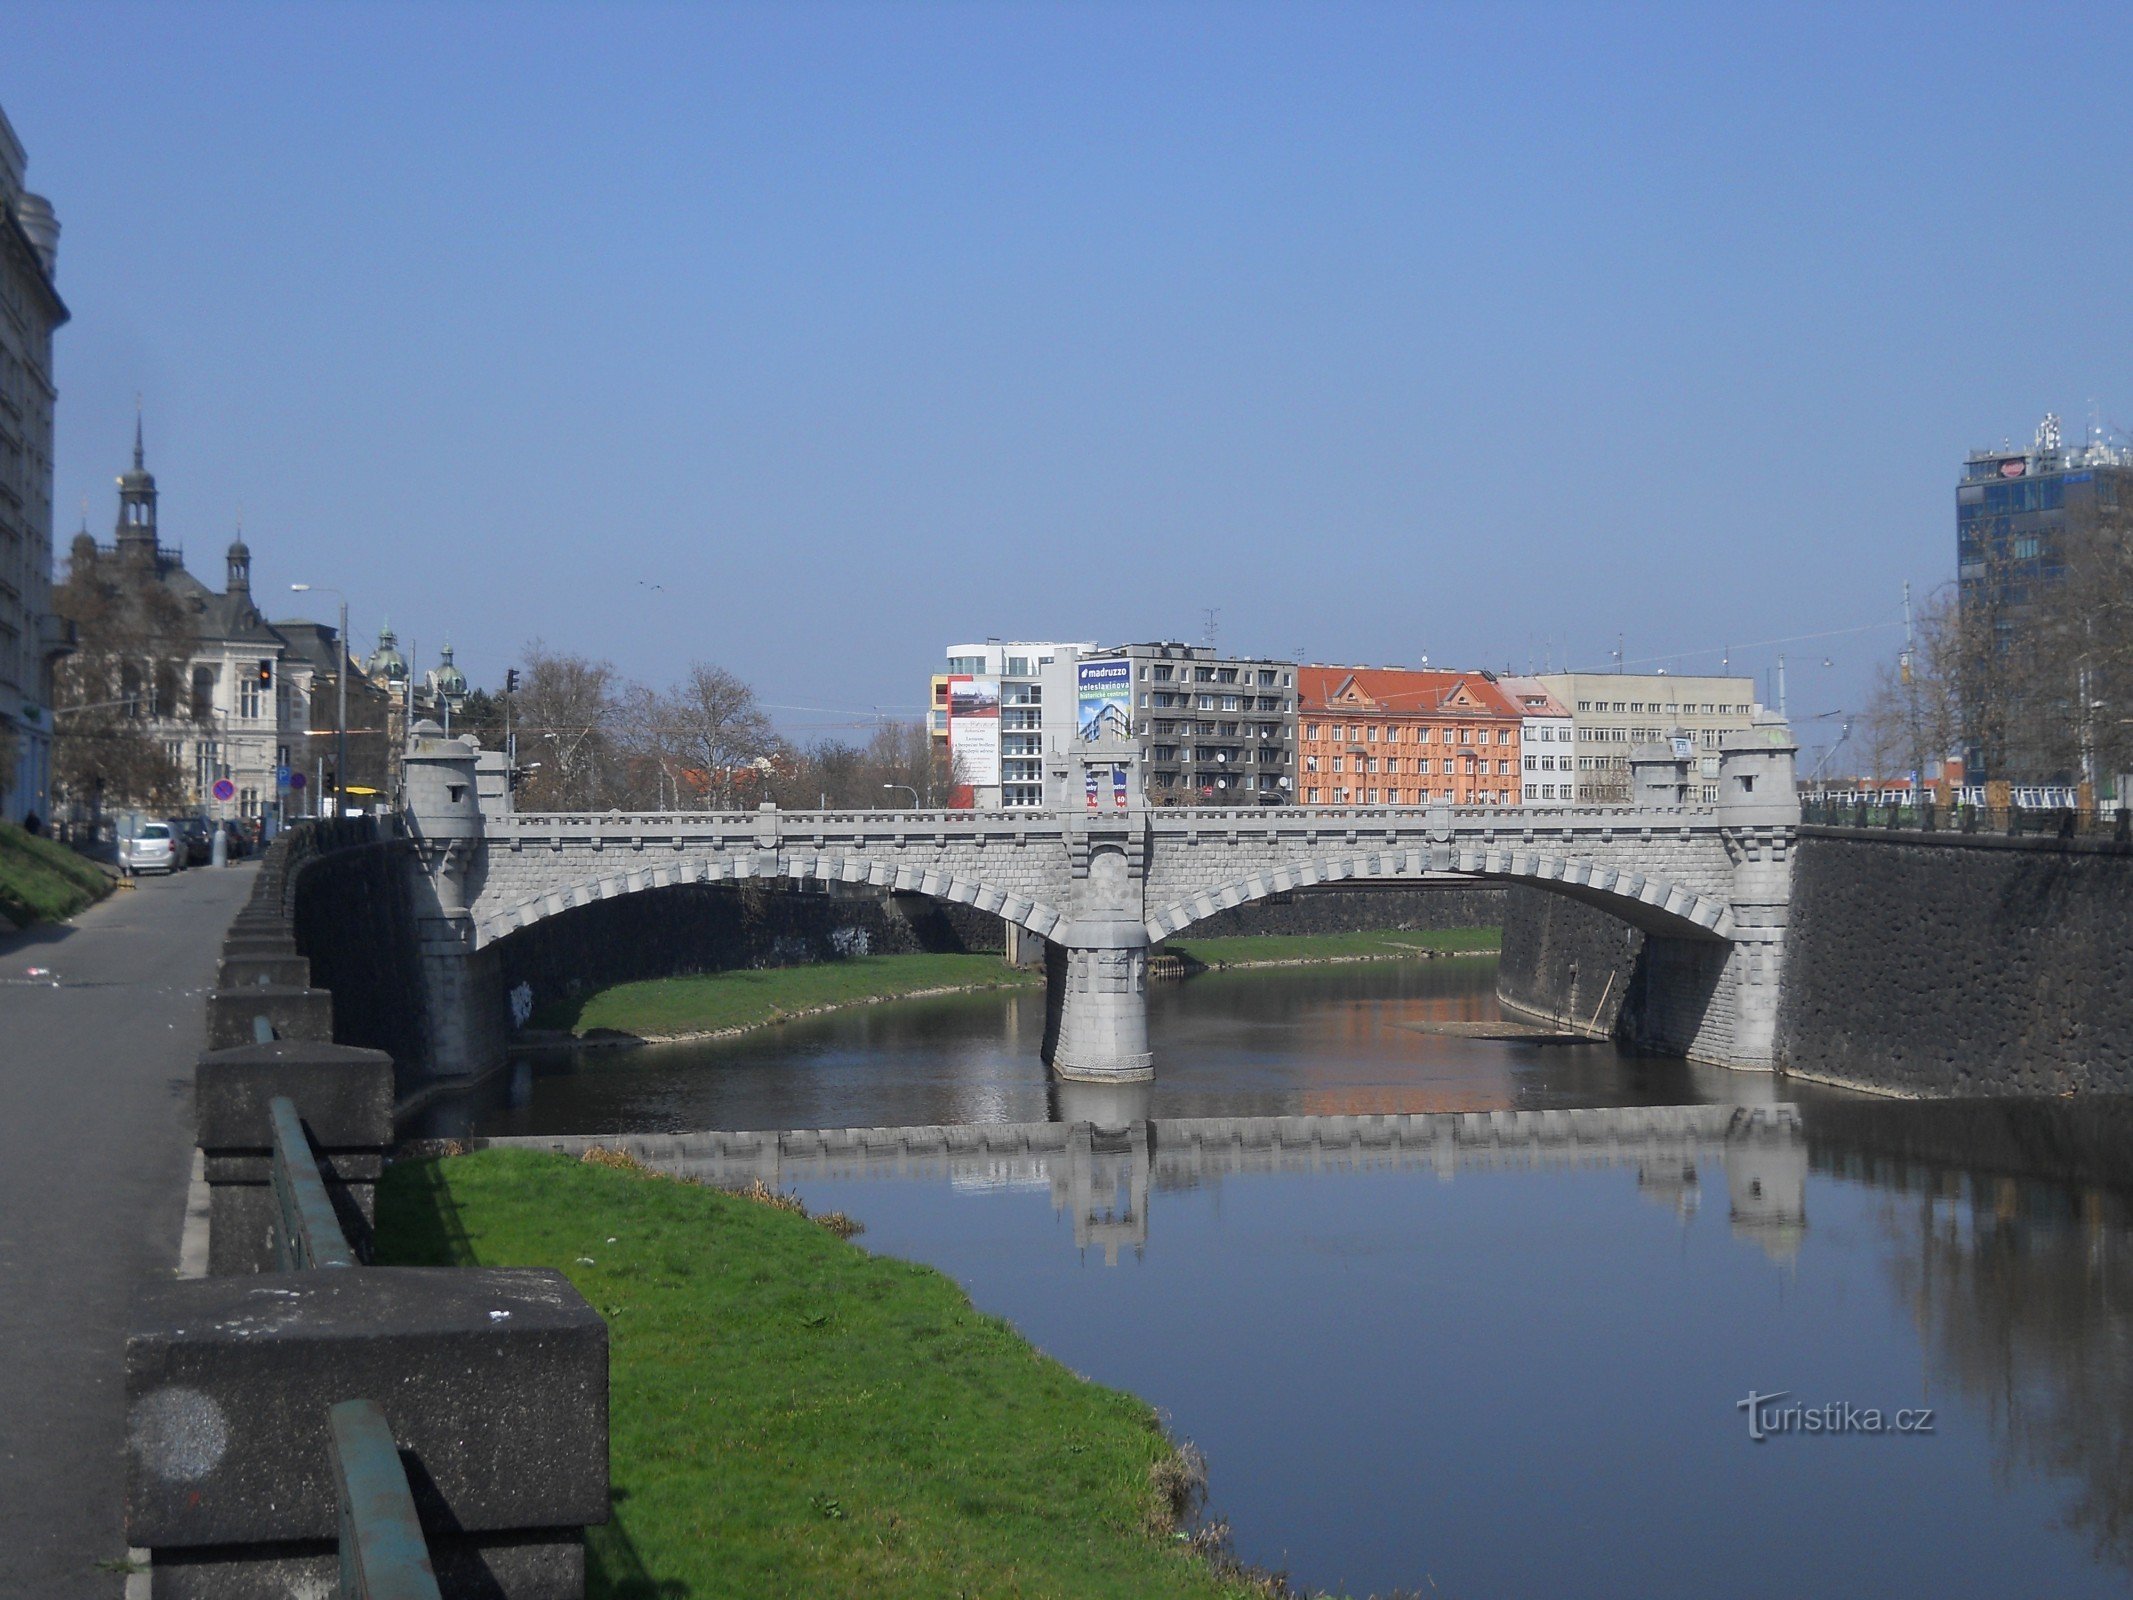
(1508, 1376)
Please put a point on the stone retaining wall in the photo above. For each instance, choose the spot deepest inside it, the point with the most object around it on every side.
(1960, 964)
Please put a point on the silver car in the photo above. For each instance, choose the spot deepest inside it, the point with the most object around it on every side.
(151, 848)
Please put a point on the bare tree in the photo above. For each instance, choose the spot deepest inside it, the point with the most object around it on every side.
(712, 724)
(1914, 716)
(135, 643)
(568, 710)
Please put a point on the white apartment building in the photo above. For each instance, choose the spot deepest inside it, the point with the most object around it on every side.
(1612, 713)
(998, 749)
(1547, 744)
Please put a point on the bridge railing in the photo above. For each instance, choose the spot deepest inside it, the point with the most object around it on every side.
(489, 1382)
(307, 1233)
(608, 824)
(2064, 822)
(383, 1555)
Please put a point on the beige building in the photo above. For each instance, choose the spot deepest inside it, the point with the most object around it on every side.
(1611, 713)
(31, 637)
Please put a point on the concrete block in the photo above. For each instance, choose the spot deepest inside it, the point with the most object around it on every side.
(244, 1219)
(493, 1566)
(493, 1380)
(294, 1014)
(283, 944)
(283, 971)
(344, 1095)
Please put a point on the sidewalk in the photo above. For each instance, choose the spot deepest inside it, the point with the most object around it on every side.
(95, 1149)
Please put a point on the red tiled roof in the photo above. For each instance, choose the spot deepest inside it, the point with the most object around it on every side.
(1398, 691)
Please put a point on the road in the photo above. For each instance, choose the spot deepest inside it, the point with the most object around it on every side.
(96, 1140)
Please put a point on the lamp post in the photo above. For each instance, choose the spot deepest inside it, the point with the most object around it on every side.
(340, 680)
(907, 789)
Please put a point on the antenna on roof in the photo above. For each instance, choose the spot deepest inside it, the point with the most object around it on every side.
(1208, 616)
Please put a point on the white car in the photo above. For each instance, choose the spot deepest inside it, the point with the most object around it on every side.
(150, 849)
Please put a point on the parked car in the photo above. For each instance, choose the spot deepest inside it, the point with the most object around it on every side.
(197, 834)
(240, 842)
(149, 848)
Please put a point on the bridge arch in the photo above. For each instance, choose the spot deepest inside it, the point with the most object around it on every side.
(1650, 901)
(1038, 916)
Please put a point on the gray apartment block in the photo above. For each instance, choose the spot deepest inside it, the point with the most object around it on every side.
(1211, 729)
(31, 637)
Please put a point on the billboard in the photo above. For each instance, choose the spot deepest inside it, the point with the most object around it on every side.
(1103, 700)
(974, 730)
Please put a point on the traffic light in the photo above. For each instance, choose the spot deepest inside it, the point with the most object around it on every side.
(266, 674)
(511, 680)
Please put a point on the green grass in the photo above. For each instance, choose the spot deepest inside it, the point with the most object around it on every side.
(744, 998)
(790, 1415)
(1390, 942)
(43, 882)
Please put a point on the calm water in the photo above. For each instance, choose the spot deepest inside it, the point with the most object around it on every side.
(1480, 1380)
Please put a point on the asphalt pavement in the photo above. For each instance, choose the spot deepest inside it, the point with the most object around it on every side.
(96, 1075)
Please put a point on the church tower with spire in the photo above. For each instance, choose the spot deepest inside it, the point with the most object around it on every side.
(137, 501)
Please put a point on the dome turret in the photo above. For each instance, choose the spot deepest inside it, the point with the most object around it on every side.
(386, 664)
(450, 682)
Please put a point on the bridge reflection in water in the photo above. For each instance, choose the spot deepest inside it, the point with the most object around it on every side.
(1104, 1173)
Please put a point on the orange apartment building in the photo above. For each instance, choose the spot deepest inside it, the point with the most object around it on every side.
(1371, 736)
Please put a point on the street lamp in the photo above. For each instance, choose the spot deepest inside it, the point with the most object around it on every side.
(907, 789)
(340, 720)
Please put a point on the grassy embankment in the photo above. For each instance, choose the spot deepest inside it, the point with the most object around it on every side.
(791, 1415)
(720, 1002)
(714, 1002)
(44, 882)
(1394, 944)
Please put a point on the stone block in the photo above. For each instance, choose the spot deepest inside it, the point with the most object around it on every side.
(493, 1380)
(252, 945)
(294, 1014)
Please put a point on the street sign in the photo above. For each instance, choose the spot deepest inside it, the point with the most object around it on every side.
(282, 775)
(225, 790)
(296, 780)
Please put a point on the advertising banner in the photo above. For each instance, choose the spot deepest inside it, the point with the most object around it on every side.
(974, 730)
(1118, 788)
(1088, 779)
(1104, 700)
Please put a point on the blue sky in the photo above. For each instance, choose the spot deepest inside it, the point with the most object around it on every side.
(1491, 332)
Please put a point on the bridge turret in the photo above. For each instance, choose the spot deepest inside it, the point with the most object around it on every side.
(1755, 782)
(1659, 773)
(462, 993)
(443, 790)
(1759, 817)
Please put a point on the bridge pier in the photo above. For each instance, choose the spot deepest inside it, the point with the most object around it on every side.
(1096, 1003)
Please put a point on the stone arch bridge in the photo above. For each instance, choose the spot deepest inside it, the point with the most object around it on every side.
(1708, 883)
